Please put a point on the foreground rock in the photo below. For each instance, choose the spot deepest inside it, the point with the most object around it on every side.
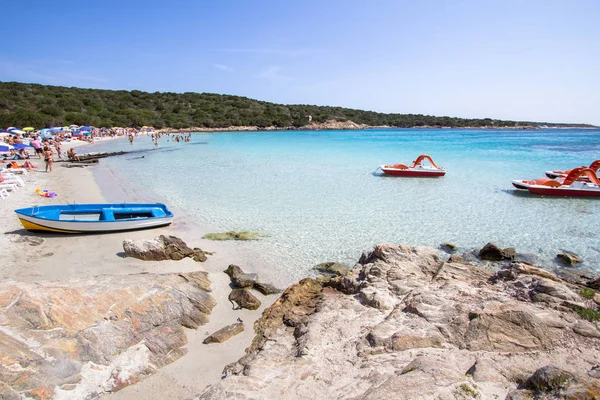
(82, 338)
(406, 324)
(162, 248)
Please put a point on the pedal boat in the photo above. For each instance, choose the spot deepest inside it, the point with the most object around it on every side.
(94, 218)
(417, 169)
(594, 166)
(570, 186)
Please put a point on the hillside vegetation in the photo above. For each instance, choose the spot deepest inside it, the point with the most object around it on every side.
(24, 104)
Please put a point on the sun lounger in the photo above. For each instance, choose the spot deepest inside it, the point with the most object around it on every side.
(23, 171)
(3, 194)
(9, 186)
(11, 178)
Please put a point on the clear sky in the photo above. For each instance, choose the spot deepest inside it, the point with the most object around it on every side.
(510, 59)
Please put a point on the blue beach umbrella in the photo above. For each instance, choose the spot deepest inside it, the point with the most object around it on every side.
(6, 147)
(19, 146)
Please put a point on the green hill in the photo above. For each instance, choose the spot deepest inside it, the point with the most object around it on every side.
(25, 104)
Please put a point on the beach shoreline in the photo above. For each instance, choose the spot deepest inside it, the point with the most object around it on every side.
(63, 258)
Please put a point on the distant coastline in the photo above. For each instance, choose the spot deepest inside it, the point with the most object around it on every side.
(350, 125)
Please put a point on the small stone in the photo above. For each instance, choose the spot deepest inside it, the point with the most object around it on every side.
(330, 268)
(491, 252)
(225, 333)
(509, 253)
(569, 258)
(449, 247)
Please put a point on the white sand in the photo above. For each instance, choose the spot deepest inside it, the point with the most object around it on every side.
(64, 257)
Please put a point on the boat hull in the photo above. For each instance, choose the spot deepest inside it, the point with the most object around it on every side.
(110, 217)
(563, 192)
(581, 190)
(414, 172)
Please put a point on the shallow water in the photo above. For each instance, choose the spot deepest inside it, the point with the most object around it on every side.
(315, 195)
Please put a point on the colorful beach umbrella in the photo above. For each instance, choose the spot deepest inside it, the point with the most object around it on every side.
(29, 128)
(6, 147)
(19, 146)
(17, 131)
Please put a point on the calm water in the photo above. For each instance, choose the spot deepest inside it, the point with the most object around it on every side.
(315, 195)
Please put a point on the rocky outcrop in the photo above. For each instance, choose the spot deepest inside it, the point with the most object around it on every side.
(162, 248)
(225, 333)
(79, 339)
(406, 324)
(550, 382)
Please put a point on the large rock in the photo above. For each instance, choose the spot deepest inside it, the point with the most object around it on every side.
(82, 338)
(161, 248)
(244, 299)
(405, 324)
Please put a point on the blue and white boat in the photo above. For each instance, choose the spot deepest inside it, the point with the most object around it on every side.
(84, 218)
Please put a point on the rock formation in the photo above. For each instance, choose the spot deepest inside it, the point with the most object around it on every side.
(406, 324)
(241, 280)
(162, 248)
(79, 339)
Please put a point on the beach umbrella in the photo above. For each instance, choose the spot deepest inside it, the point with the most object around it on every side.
(19, 146)
(86, 133)
(6, 147)
(17, 131)
(29, 128)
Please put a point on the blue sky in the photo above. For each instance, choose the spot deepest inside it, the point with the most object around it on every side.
(510, 59)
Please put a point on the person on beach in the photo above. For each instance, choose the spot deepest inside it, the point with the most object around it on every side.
(48, 158)
(37, 145)
(58, 149)
(71, 154)
(131, 139)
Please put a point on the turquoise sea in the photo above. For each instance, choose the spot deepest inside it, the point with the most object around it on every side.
(315, 195)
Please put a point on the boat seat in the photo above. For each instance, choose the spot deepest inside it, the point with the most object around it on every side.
(108, 215)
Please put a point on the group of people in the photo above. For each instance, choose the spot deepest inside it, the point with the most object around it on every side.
(176, 137)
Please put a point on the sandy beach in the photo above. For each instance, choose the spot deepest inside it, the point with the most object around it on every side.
(65, 257)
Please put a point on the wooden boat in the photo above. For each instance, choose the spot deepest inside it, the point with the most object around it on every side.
(571, 185)
(417, 169)
(84, 218)
(594, 166)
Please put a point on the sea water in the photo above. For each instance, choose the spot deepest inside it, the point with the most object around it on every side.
(317, 197)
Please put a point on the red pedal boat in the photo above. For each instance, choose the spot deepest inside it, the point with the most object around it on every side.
(563, 174)
(417, 169)
(571, 185)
